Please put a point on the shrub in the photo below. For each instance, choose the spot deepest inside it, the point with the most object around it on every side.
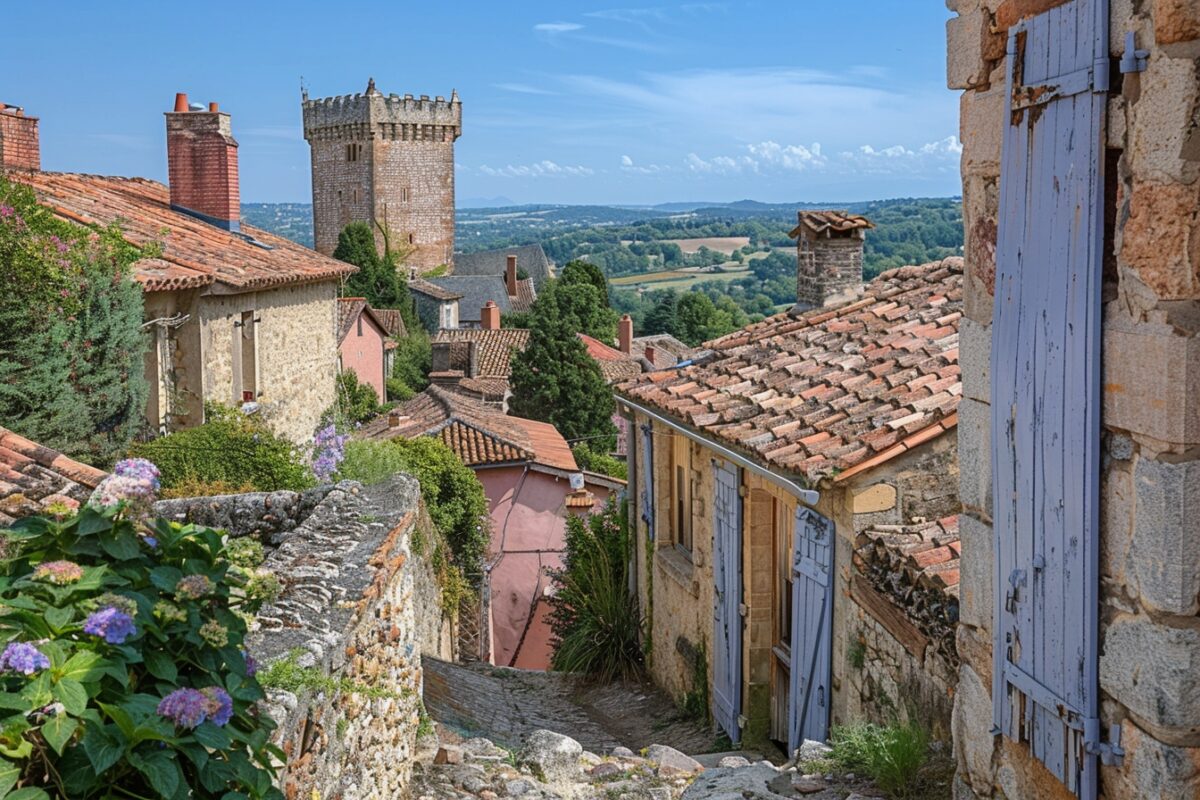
(194, 487)
(356, 402)
(231, 448)
(398, 391)
(123, 669)
(413, 357)
(892, 755)
(593, 618)
(598, 461)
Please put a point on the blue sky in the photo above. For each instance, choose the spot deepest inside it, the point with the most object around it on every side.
(563, 102)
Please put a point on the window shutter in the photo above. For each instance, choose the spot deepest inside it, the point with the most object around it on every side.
(647, 503)
(1046, 391)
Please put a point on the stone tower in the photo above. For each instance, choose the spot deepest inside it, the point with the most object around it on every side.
(388, 161)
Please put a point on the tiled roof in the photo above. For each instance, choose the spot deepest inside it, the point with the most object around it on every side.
(614, 365)
(474, 291)
(833, 388)
(921, 554)
(392, 321)
(526, 294)
(493, 348)
(33, 476)
(531, 258)
(821, 221)
(194, 253)
(422, 286)
(479, 434)
(668, 351)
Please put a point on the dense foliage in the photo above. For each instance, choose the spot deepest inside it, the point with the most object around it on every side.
(594, 460)
(593, 618)
(410, 371)
(71, 345)
(123, 673)
(232, 448)
(356, 402)
(451, 491)
(892, 755)
(554, 379)
(380, 278)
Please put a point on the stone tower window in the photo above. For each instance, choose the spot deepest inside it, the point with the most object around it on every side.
(404, 196)
(353, 151)
(411, 239)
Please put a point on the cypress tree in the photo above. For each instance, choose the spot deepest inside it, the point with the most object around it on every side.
(379, 279)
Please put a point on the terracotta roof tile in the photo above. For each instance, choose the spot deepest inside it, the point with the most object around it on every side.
(33, 476)
(392, 321)
(822, 221)
(194, 253)
(872, 377)
(493, 347)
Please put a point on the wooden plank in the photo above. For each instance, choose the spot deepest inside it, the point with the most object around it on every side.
(889, 616)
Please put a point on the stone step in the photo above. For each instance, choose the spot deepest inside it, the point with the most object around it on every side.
(710, 760)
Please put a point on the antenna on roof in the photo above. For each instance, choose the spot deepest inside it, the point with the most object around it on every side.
(303, 90)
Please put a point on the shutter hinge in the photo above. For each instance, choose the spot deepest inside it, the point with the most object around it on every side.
(741, 490)
(1133, 60)
(1111, 753)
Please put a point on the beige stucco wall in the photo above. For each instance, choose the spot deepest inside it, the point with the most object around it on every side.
(1149, 547)
(296, 347)
(174, 362)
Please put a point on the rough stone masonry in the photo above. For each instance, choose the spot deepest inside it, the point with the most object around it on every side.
(1150, 478)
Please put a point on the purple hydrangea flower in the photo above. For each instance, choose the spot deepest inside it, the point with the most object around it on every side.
(220, 705)
(151, 542)
(24, 658)
(328, 452)
(187, 708)
(140, 469)
(113, 625)
(60, 573)
(251, 664)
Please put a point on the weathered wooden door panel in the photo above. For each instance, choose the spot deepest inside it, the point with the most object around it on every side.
(1045, 390)
(812, 627)
(647, 498)
(727, 598)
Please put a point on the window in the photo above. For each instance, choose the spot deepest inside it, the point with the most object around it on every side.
(782, 535)
(353, 151)
(681, 492)
(359, 325)
(411, 239)
(245, 358)
(404, 195)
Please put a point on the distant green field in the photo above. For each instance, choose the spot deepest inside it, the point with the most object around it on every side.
(677, 279)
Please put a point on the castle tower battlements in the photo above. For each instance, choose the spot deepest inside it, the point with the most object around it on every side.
(387, 160)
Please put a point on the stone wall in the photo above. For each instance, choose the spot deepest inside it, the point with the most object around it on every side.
(1150, 559)
(359, 607)
(295, 341)
(386, 160)
(828, 269)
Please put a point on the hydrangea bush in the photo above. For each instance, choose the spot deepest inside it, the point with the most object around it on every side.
(122, 672)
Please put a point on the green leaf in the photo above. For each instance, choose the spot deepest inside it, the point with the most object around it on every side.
(197, 754)
(165, 578)
(121, 717)
(161, 665)
(121, 546)
(72, 695)
(13, 701)
(37, 691)
(86, 665)
(57, 731)
(28, 793)
(9, 773)
(103, 748)
(160, 769)
(59, 618)
(21, 601)
(91, 522)
(212, 737)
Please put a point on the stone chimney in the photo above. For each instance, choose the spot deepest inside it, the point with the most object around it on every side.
(829, 256)
(625, 334)
(19, 144)
(651, 353)
(489, 316)
(510, 276)
(202, 164)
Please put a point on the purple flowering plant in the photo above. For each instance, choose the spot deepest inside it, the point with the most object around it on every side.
(123, 667)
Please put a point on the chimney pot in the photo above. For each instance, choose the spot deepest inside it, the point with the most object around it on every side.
(625, 334)
(650, 353)
(489, 316)
(181, 102)
(393, 419)
(510, 276)
(213, 107)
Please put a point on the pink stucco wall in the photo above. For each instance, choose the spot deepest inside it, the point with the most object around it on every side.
(362, 353)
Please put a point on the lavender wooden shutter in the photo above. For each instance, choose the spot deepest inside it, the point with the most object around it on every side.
(647, 502)
(1046, 391)
(812, 628)
(727, 599)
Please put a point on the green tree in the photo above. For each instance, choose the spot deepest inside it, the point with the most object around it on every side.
(71, 346)
(555, 380)
(661, 318)
(582, 308)
(379, 278)
(580, 271)
(356, 402)
(413, 358)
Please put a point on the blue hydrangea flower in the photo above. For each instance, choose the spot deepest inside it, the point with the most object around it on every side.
(24, 658)
(220, 705)
(251, 664)
(187, 708)
(111, 624)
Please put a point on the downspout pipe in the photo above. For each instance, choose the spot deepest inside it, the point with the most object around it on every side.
(805, 495)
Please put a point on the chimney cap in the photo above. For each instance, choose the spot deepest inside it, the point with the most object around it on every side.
(213, 107)
(181, 102)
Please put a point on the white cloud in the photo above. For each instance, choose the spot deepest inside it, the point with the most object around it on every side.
(938, 156)
(522, 88)
(626, 161)
(540, 169)
(627, 165)
(791, 157)
(557, 27)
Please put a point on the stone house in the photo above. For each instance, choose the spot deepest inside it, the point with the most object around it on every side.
(505, 291)
(765, 472)
(532, 484)
(1079, 635)
(364, 344)
(234, 314)
(437, 308)
(478, 361)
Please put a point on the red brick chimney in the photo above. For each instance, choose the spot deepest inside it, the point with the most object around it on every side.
(625, 334)
(19, 147)
(510, 276)
(651, 353)
(202, 164)
(489, 316)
